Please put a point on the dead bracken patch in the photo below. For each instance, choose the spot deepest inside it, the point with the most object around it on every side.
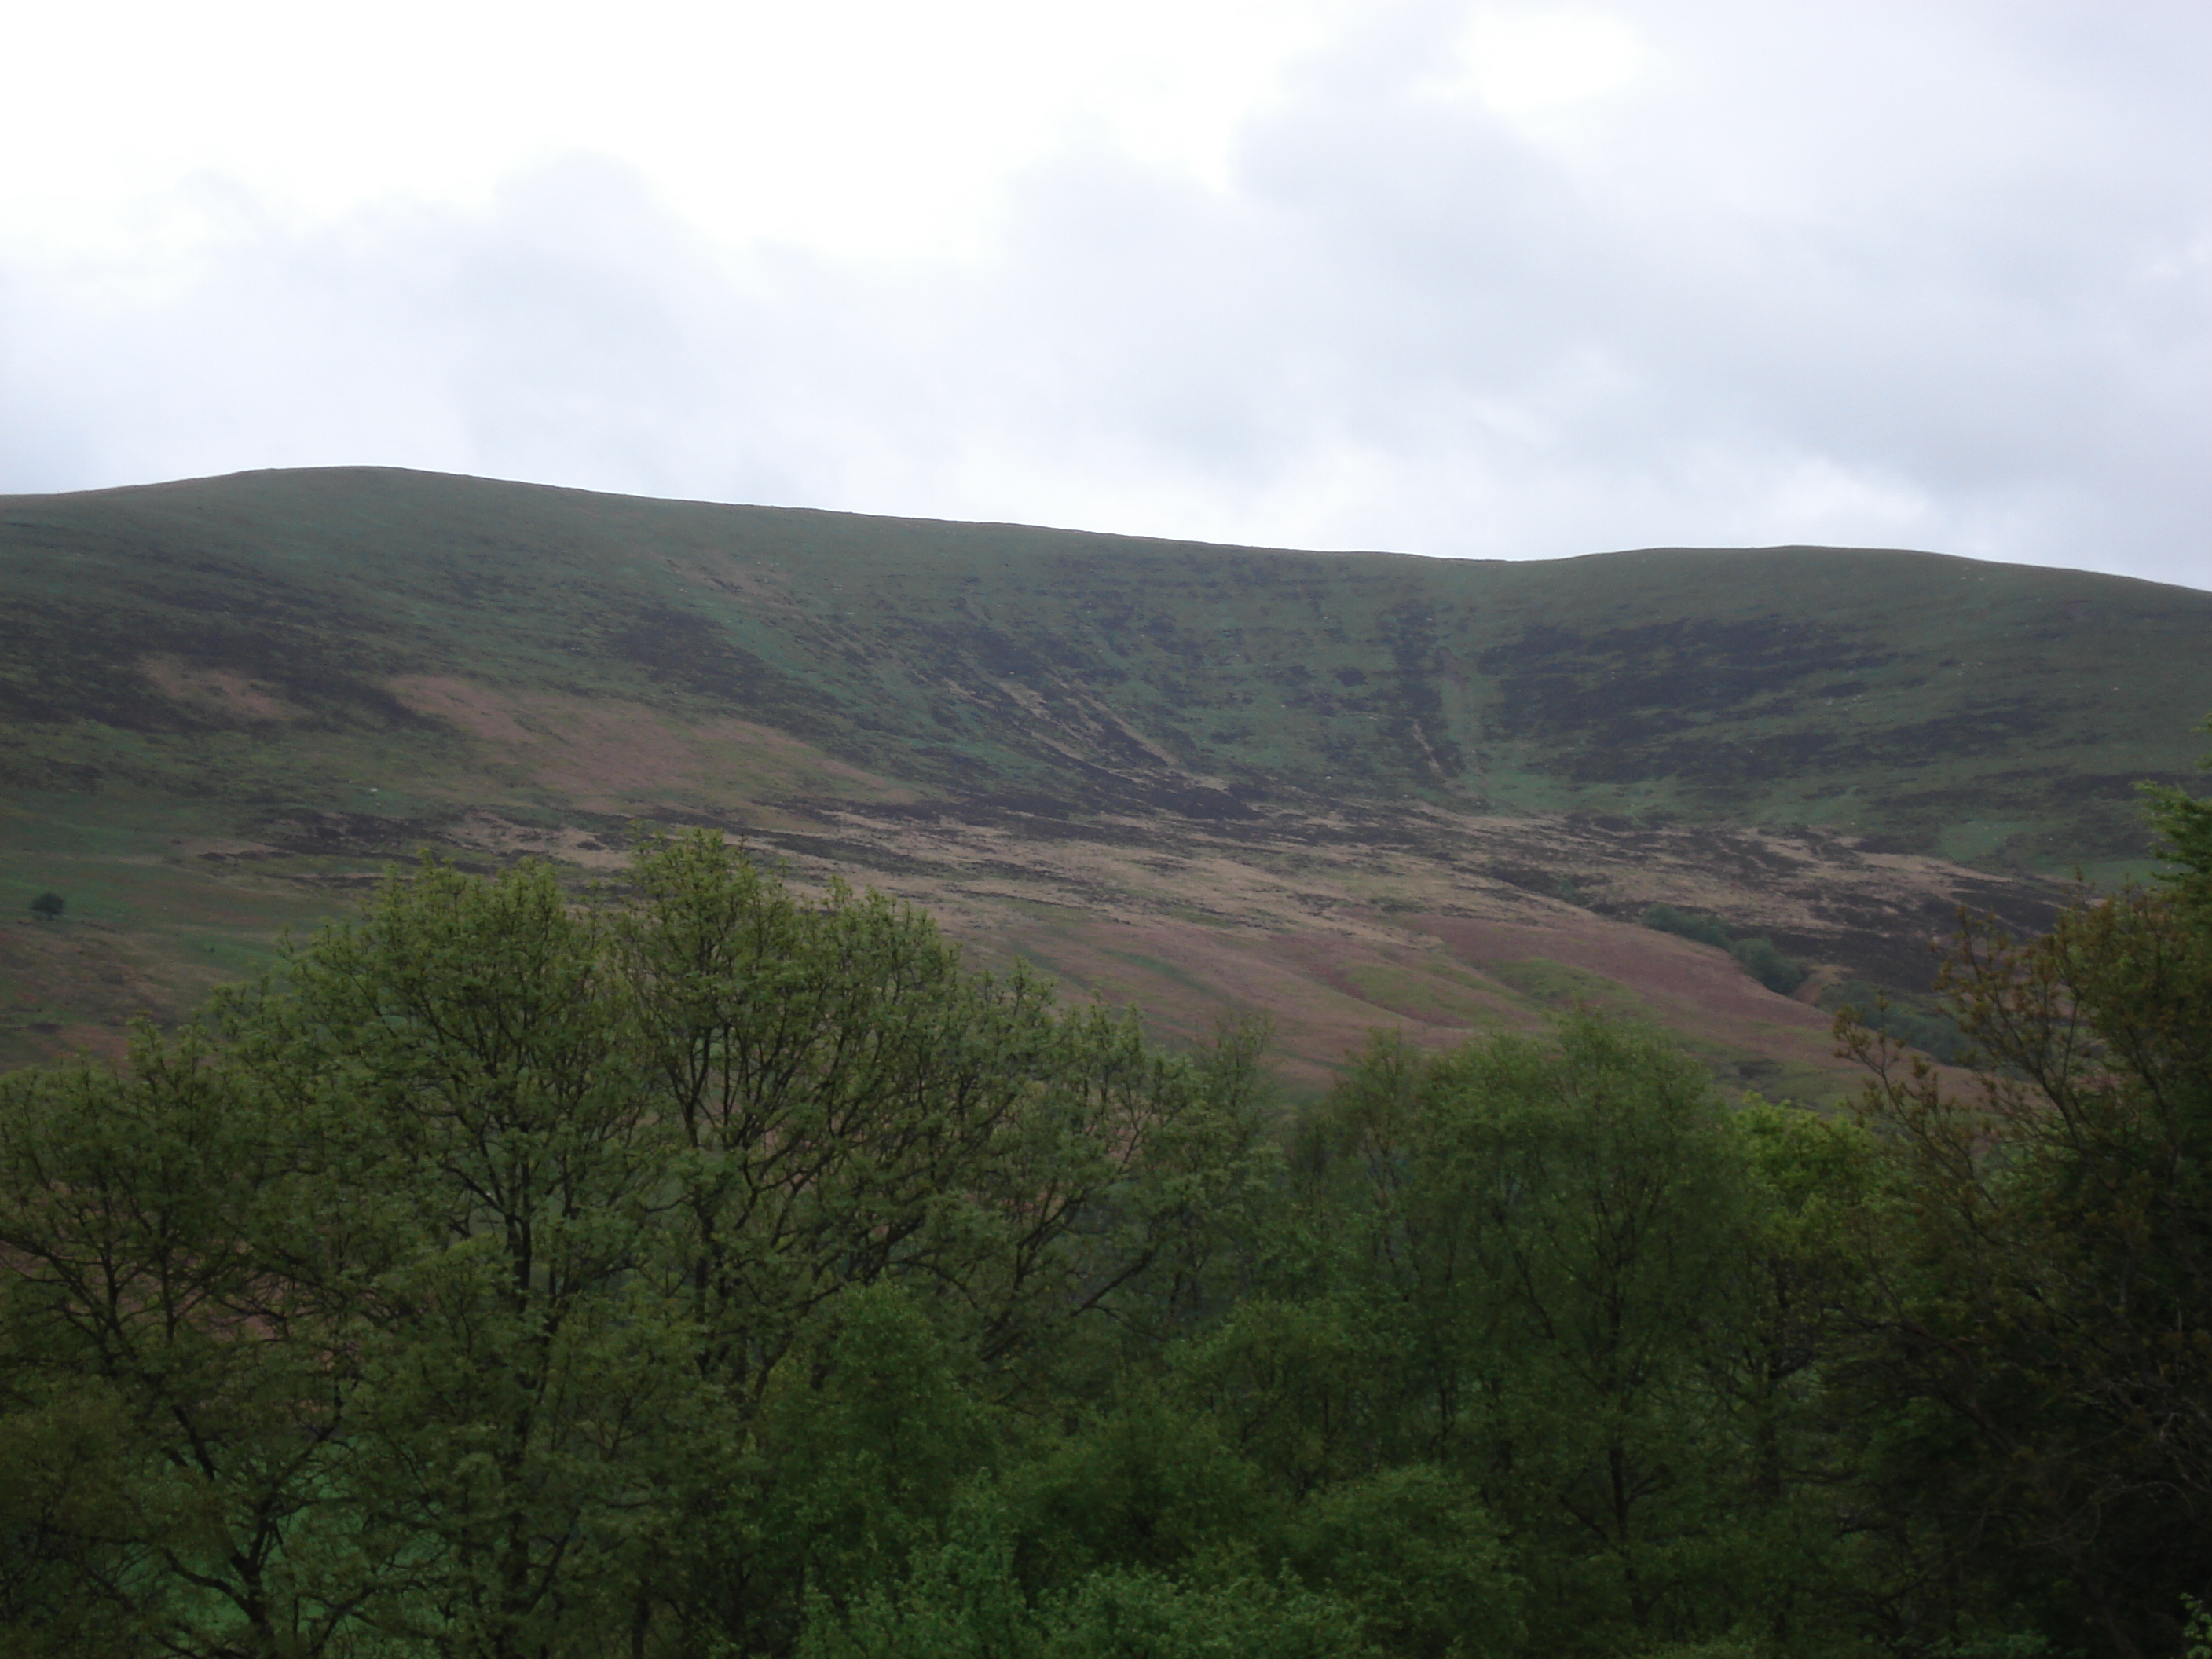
(1374, 915)
(221, 694)
(604, 754)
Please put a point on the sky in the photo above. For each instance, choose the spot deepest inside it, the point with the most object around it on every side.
(1506, 281)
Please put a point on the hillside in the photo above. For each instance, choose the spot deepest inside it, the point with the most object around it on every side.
(1354, 789)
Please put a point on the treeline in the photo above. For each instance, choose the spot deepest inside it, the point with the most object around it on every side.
(691, 1270)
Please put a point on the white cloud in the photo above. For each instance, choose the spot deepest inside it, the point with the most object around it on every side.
(1523, 61)
(1504, 280)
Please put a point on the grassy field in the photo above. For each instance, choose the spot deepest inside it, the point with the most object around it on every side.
(223, 701)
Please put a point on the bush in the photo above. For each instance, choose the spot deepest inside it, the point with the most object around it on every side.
(1706, 930)
(1930, 1031)
(1759, 957)
(1768, 965)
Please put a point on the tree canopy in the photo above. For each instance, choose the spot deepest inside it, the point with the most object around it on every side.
(685, 1266)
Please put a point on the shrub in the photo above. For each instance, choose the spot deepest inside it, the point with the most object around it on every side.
(1706, 930)
(1759, 957)
(1930, 1031)
(1766, 965)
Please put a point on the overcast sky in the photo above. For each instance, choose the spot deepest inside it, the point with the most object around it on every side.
(1513, 280)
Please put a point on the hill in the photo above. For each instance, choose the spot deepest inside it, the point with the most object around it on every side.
(1352, 788)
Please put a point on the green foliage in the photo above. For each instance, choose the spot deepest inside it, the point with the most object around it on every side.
(67, 1490)
(1416, 1553)
(2042, 1287)
(2197, 1635)
(509, 1273)
(1706, 930)
(49, 906)
(1143, 1486)
(2184, 823)
(1110, 1615)
(1205, 1594)
(1556, 1252)
(1286, 1381)
(1759, 956)
(465, 1055)
(1913, 1023)
(872, 1445)
(1144, 1616)
(685, 1269)
(141, 1219)
(1766, 965)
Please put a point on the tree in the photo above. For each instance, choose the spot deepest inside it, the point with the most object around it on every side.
(849, 1109)
(461, 1061)
(2040, 1330)
(1549, 1244)
(49, 907)
(2184, 822)
(179, 1385)
(513, 1274)
(1800, 1283)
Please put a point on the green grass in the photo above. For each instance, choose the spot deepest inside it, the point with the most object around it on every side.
(1562, 985)
(1436, 994)
(1998, 715)
(218, 659)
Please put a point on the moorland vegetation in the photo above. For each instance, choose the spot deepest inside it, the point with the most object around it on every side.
(1759, 956)
(1160, 773)
(685, 1269)
(304, 637)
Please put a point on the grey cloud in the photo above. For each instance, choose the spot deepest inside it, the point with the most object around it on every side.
(1927, 275)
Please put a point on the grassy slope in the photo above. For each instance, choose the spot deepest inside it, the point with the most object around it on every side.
(221, 699)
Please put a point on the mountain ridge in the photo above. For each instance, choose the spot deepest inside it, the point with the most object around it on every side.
(259, 685)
